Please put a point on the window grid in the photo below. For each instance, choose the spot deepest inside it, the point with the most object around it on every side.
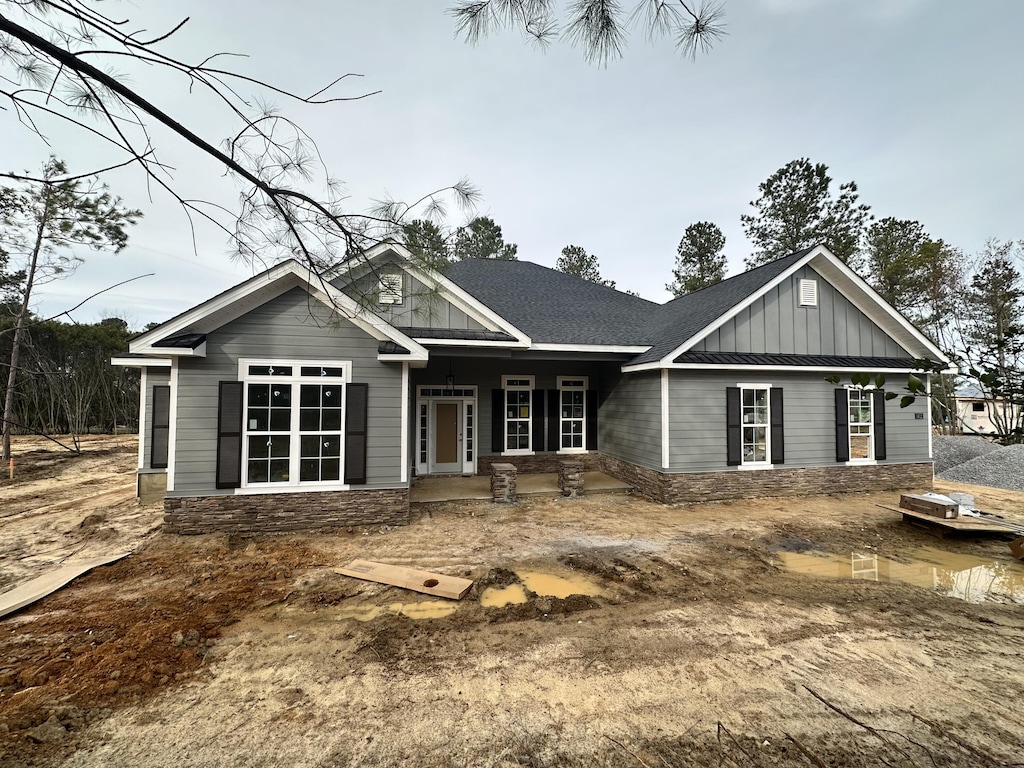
(293, 426)
(861, 418)
(572, 416)
(756, 425)
(423, 433)
(518, 413)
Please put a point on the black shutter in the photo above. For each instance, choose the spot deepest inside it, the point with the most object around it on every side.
(160, 427)
(229, 434)
(733, 427)
(356, 397)
(537, 416)
(842, 425)
(497, 420)
(554, 424)
(592, 419)
(778, 434)
(879, 413)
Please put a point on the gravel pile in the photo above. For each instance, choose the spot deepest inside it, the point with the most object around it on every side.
(1001, 468)
(949, 451)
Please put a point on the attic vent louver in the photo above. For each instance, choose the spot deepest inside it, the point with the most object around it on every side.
(391, 289)
(808, 293)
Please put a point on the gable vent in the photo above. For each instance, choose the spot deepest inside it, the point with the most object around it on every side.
(808, 293)
(391, 289)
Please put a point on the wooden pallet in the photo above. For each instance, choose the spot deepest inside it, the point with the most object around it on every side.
(990, 524)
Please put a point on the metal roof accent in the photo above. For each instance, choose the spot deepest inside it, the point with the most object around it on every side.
(470, 334)
(816, 361)
(185, 340)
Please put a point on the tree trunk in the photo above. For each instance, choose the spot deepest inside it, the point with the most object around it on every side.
(19, 330)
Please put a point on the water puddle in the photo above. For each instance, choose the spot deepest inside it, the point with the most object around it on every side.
(964, 577)
(428, 609)
(547, 584)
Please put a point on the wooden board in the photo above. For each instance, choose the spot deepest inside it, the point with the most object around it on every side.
(50, 582)
(450, 587)
(961, 524)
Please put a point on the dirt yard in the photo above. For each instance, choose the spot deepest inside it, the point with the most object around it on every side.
(686, 642)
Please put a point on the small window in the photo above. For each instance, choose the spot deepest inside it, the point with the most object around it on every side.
(978, 407)
(391, 289)
(808, 293)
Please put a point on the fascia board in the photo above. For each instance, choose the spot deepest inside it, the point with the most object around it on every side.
(617, 349)
(141, 362)
(812, 368)
(666, 361)
(222, 301)
(877, 309)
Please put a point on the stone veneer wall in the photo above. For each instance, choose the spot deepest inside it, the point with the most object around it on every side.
(285, 512)
(539, 462)
(678, 488)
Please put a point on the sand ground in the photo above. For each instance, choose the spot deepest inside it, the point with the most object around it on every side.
(695, 647)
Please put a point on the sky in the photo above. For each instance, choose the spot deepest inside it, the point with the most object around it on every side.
(920, 102)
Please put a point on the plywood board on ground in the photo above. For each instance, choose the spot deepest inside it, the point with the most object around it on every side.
(426, 582)
(50, 582)
(988, 524)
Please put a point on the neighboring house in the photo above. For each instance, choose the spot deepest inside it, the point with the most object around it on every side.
(981, 415)
(285, 403)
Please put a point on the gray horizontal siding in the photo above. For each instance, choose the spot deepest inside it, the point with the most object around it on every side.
(154, 377)
(698, 428)
(774, 323)
(629, 423)
(289, 327)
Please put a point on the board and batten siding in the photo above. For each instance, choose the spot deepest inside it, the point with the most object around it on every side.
(291, 326)
(421, 306)
(629, 421)
(698, 425)
(155, 377)
(776, 324)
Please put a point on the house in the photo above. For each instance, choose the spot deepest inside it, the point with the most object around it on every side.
(287, 402)
(981, 415)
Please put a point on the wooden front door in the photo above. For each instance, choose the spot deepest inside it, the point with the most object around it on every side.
(446, 443)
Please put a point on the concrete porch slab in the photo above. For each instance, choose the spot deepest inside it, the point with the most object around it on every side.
(478, 487)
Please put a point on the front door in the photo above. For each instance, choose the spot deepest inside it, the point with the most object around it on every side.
(446, 445)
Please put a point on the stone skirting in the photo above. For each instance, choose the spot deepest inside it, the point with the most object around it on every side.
(286, 512)
(503, 483)
(539, 463)
(679, 488)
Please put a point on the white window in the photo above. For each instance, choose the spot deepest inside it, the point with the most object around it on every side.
(518, 413)
(572, 417)
(861, 421)
(808, 293)
(756, 424)
(294, 421)
(391, 288)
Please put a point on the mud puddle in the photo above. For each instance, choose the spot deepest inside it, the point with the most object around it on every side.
(964, 577)
(428, 609)
(541, 583)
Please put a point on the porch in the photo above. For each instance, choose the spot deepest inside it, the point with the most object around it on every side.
(478, 487)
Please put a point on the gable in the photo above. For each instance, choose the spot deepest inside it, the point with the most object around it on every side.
(776, 323)
(423, 307)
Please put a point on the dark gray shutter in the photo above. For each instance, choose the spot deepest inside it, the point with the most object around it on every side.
(554, 424)
(537, 431)
(497, 420)
(778, 434)
(879, 427)
(842, 425)
(160, 428)
(229, 434)
(356, 397)
(592, 419)
(733, 427)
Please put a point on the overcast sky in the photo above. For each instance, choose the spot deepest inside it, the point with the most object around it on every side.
(921, 103)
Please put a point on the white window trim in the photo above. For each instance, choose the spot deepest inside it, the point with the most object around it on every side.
(767, 463)
(294, 451)
(504, 419)
(871, 460)
(560, 381)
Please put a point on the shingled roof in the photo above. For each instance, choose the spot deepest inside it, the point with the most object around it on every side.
(552, 307)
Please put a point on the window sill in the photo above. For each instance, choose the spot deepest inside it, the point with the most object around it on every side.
(518, 453)
(286, 488)
(861, 463)
(751, 467)
(570, 451)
